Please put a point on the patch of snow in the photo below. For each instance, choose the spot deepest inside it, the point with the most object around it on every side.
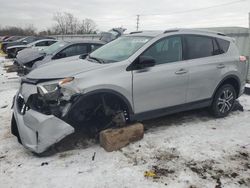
(247, 85)
(189, 149)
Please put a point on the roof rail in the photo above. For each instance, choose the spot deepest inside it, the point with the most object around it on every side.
(169, 31)
(222, 34)
(134, 32)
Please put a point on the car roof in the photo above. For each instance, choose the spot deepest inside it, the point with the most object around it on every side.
(181, 31)
(84, 41)
(41, 40)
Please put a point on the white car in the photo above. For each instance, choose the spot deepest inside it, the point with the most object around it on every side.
(39, 44)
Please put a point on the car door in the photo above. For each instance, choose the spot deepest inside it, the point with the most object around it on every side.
(204, 66)
(163, 85)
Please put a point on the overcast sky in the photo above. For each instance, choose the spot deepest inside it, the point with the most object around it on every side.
(155, 14)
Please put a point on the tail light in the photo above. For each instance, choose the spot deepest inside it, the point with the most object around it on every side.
(243, 59)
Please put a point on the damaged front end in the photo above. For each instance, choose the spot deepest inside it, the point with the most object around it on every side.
(40, 107)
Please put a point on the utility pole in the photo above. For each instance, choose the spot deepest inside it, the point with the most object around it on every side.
(137, 22)
(249, 23)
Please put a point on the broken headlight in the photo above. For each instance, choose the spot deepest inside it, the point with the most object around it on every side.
(56, 90)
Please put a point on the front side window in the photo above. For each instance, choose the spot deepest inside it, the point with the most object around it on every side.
(72, 50)
(166, 50)
(93, 47)
(81, 49)
(50, 42)
(198, 47)
(69, 51)
(119, 49)
(54, 47)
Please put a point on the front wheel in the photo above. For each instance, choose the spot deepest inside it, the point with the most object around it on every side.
(223, 101)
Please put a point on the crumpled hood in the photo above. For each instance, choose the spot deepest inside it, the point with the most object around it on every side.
(29, 54)
(61, 69)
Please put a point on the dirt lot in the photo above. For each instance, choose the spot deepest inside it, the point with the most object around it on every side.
(189, 150)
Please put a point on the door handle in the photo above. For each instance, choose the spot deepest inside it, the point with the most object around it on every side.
(220, 66)
(181, 71)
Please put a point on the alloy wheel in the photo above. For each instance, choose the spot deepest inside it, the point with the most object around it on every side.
(225, 101)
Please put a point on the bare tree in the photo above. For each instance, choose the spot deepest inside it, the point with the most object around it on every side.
(30, 30)
(13, 30)
(66, 23)
(87, 26)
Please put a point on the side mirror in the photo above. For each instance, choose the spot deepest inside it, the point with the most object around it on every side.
(145, 62)
(25, 42)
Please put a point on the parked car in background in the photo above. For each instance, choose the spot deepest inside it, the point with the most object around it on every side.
(2, 38)
(7, 39)
(138, 76)
(22, 41)
(39, 44)
(112, 34)
(26, 60)
(11, 38)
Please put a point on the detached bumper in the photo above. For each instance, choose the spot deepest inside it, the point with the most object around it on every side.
(38, 131)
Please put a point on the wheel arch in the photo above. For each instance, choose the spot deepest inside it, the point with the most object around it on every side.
(230, 79)
(120, 96)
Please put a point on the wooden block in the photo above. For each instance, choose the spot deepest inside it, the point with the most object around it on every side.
(114, 139)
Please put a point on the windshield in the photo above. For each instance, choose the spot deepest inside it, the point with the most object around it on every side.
(54, 47)
(119, 49)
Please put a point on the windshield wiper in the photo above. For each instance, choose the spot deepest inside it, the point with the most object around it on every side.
(96, 59)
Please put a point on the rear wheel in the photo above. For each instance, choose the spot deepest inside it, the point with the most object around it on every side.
(224, 100)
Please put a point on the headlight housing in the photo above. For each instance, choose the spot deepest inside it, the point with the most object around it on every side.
(55, 90)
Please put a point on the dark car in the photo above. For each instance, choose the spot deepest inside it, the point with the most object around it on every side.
(22, 41)
(39, 44)
(28, 59)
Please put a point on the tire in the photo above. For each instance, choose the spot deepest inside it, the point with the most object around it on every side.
(14, 129)
(223, 101)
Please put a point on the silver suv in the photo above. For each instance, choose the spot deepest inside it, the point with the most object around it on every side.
(136, 77)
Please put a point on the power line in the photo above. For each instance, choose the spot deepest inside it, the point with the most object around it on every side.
(124, 19)
(197, 9)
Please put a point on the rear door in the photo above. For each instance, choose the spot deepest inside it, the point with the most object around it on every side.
(205, 65)
(165, 84)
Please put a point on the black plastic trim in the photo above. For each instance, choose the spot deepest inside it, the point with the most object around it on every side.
(226, 78)
(171, 110)
(107, 91)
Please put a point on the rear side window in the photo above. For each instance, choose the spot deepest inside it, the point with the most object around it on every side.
(223, 44)
(43, 43)
(198, 47)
